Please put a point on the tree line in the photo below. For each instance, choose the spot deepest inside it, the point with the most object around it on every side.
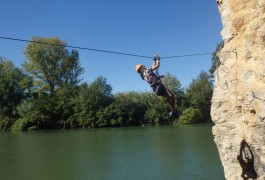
(47, 92)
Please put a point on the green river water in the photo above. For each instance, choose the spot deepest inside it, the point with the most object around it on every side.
(164, 152)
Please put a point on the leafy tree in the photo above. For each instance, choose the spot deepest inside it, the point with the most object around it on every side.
(130, 109)
(107, 117)
(64, 98)
(55, 73)
(190, 115)
(12, 87)
(91, 99)
(215, 59)
(70, 69)
(158, 112)
(36, 114)
(199, 94)
(172, 82)
(51, 65)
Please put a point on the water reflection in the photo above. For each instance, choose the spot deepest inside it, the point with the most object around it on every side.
(166, 152)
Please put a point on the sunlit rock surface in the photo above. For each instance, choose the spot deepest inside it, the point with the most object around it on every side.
(238, 103)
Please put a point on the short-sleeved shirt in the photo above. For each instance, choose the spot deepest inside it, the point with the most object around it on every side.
(150, 77)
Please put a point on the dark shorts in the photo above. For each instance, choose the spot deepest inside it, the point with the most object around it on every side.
(160, 90)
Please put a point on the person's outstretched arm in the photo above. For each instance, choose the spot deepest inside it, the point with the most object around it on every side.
(155, 65)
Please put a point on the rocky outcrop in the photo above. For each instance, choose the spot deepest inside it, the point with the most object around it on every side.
(238, 102)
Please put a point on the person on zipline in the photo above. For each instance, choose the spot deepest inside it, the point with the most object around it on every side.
(154, 80)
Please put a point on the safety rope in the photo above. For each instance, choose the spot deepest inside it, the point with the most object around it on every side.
(236, 95)
(235, 83)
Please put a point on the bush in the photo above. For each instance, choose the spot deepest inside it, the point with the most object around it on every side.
(35, 114)
(6, 122)
(190, 116)
(199, 94)
(129, 109)
(158, 112)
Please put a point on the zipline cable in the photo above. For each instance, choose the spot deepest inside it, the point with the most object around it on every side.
(105, 51)
(185, 55)
(75, 47)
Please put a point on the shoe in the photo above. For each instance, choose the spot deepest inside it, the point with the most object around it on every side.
(173, 114)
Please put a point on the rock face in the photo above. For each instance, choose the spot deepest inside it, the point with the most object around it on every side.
(238, 102)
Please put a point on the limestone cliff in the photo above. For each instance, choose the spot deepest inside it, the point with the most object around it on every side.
(238, 102)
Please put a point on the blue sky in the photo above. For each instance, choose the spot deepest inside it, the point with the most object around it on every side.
(144, 27)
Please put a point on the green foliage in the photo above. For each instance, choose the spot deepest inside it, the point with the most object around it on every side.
(158, 112)
(64, 98)
(55, 73)
(51, 66)
(215, 59)
(130, 108)
(135, 108)
(36, 114)
(12, 86)
(107, 117)
(91, 98)
(191, 116)
(6, 122)
(172, 83)
(199, 94)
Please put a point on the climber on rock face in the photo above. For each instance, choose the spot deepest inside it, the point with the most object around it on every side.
(154, 79)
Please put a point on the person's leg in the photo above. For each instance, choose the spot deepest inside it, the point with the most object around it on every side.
(171, 99)
(161, 90)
